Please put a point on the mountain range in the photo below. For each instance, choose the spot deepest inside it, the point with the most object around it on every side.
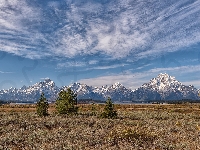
(162, 88)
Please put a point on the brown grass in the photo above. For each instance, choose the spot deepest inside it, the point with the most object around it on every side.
(160, 127)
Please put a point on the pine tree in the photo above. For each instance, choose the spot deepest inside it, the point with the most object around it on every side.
(66, 102)
(93, 110)
(42, 106)
(109, 111)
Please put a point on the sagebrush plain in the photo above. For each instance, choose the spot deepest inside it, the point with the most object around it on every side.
(148, 126)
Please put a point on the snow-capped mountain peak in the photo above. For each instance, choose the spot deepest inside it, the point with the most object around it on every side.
(46, 82)
(77, 87)
(163, 82)
(167, 87)
(116, 85)
(162, 87)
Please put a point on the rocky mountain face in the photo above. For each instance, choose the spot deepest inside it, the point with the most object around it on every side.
(116, 91)
(84, 91)
(163, 87)
(31, 93)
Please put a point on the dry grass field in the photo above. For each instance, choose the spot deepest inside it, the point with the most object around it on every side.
(155, 127)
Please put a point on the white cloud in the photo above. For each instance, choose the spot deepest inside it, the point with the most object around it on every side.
(53, 4)
(108, 67)
(143, 66)
(93, 62)
(4, 72)
(135, 80)
(91, 65)
(45, 78)
(71, 64)
(195, 83)
(163, 30)
(117, 29)
(16, 36)
(174, 28)
(130, 80)
(117, 38)
(179, 70)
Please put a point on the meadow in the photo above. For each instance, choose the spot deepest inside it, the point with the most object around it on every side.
(138, 127)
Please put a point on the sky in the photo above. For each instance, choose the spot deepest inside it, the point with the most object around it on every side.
(98, 42)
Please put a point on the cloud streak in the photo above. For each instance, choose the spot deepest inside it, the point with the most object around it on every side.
(4, 72)
(115, 29)
(18, 23)
(91, 65)
(135, 80)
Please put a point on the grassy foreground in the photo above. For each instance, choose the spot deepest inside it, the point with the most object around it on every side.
(160, 127)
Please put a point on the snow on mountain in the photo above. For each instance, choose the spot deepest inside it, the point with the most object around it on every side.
(163, 82)
(31, 93)
(84, 91)
(117, 92)
(163, 87)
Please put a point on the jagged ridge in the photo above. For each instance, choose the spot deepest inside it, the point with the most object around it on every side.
(163, 87)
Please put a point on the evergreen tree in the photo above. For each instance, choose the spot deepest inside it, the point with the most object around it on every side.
(109, 111)
(42, 106)
(93, 110)
(66, 102)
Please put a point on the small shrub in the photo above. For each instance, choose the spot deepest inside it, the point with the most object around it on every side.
(109, 111)
(42, 106)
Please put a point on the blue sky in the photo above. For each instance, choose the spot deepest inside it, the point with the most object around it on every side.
(98, 42)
